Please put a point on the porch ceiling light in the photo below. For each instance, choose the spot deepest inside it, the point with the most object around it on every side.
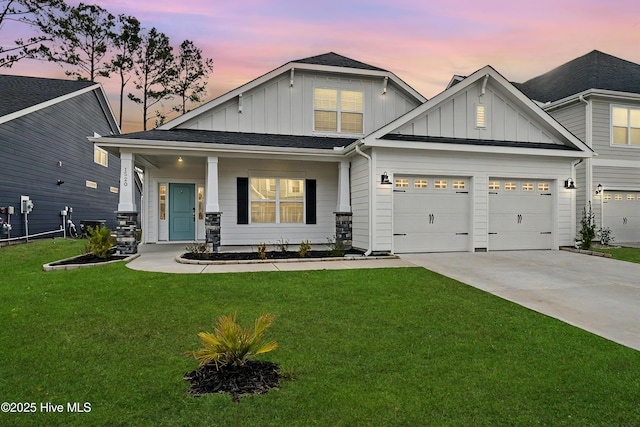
(384, 179)
(570, 184)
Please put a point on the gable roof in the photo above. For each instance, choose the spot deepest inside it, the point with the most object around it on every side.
(328, 62)
(21, 95)
(595, 70)
(20, 92)
(334, 60)
(386, 136)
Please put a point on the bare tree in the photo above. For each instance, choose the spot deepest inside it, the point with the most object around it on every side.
(32, 13)
(153, 66)
(190, 75)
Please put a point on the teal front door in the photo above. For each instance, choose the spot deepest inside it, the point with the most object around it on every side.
(182, 211)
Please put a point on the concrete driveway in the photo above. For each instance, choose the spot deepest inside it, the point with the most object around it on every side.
(600, 295)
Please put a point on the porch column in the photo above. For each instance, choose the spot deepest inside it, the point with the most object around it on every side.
(127, 214)
(212, 205)
(344, 234)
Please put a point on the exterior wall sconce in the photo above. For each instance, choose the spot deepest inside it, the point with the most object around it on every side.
(599, 190)
(180, 159)
(570, 184)
(60, 182)
(384, 179)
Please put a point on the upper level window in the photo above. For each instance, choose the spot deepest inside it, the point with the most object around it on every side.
(338, 111)
(100, 156)
(481, 116)
(625, 126)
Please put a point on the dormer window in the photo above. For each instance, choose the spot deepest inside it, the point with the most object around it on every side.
(338, 111)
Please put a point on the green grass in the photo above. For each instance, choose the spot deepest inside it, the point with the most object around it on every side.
(623, 254)
(387, 347)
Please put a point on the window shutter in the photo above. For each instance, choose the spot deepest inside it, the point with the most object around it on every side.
(243, 200)
(310, 194)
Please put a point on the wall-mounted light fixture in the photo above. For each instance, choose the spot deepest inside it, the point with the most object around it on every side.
(599, 190)
(570, 184)
(60, 182)
(180, 159)
(384, 179)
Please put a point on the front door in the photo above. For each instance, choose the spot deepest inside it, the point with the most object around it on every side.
(182, 212)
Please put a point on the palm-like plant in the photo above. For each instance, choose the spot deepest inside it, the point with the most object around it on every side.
(231, 344)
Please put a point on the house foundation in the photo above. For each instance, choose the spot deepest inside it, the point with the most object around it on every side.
(126, 233)
(344, 229)
(212, 230)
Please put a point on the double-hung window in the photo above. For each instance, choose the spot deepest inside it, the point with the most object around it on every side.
(338, 111)
(277, 200)
(625, 126)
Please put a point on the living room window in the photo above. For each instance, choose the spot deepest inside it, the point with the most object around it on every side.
(338, 111)
(625, 126)
(277, 200)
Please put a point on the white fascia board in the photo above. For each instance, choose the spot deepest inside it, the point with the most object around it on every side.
(287, 69)
(48, 103)
(440, 146)
(617, 95)
(193, 147)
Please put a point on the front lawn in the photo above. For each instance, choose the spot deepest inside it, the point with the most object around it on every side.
(623, 254)
(386, 347)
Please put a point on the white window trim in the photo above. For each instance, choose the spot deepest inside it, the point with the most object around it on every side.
(481, 124)
(339, 110)
(277, 200)
(101, 151)
(626, 107)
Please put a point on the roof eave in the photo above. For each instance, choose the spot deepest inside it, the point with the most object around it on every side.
(590, 92)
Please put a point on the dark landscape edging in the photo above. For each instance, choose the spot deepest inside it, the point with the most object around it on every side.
(51, 267)
(182, 260)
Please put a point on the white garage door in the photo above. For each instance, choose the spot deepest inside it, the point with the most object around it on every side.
(430, 214)
(520, 214)
(622, 215)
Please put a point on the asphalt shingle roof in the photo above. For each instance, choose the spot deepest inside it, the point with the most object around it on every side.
(240, 138)
(20, 92)
(595, 70)
(335, 60)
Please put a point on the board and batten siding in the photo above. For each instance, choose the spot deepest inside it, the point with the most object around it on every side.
(456, 118)
(33, 144)
(479, 168)
(360, 201)
(278, 107)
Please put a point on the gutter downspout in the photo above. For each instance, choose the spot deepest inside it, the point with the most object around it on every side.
(589, 161)
(371, 191)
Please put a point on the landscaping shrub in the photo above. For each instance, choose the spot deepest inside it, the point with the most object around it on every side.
(99, 241)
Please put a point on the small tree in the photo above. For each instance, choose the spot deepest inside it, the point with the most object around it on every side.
(588, 228)
(153, 66)
(190, 75)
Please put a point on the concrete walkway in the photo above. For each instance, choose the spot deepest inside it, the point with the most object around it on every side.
(600, 295)
(161, 258)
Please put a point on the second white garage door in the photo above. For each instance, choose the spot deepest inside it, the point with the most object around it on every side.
(431, 214)
(622, 215)
(520, 214)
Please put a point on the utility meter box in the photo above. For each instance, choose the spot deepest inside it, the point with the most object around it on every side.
(26, 205)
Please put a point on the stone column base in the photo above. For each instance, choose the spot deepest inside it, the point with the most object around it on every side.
(126, 233)
(212, 230)
(344, 231)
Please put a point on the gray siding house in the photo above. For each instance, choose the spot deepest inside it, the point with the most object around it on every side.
(329, 147)
(44, 126)
(597, 98)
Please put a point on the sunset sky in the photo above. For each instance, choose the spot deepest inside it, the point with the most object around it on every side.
(424, 42)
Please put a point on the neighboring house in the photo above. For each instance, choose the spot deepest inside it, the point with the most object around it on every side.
(597, 97)
(44, 125)
(327, 147)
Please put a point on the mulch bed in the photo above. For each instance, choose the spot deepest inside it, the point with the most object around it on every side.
(254, 377)
(235, 256)
(88, 259)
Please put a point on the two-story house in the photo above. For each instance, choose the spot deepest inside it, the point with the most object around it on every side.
(329, 147)
(597, 97)
(46, 157)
